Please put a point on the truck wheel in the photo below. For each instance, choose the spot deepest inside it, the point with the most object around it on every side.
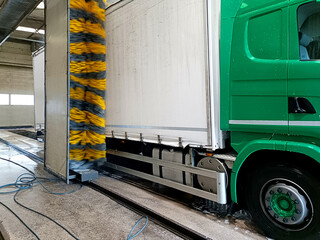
(284, 202)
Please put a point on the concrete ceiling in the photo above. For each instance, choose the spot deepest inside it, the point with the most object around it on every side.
(34, 20)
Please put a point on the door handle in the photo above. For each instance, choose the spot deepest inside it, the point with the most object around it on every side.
(300, 105)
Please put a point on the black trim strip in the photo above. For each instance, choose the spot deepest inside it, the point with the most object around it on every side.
(16, 127)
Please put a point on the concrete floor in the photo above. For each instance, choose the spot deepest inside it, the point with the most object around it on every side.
(86, 213)
(25, 143)
(206, 224)
(91, 215)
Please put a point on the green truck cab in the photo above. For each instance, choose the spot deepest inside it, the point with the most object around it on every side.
(270, 102)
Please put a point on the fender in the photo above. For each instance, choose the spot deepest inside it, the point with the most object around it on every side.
(305, 148)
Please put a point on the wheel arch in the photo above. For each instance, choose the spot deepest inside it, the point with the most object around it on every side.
(273, 150)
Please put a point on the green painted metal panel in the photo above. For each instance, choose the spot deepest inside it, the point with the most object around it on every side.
(252, 106)
(242, 139)
(225, 49)
(304, 77)
(293, 2)
(259, 61)
(303, 145)
(260, 6)
(229, 9)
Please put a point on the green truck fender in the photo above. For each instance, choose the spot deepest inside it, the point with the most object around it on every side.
(305, 148)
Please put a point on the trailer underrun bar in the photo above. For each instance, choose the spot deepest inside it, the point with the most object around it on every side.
(220, 197)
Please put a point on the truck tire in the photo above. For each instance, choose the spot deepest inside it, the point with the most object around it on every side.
(284, 202)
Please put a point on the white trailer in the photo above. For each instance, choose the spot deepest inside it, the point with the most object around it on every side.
(39, 101)
(163, 80)
(163, 91)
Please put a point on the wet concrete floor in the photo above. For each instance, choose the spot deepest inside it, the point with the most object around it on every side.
(91, 215)
(86, 213)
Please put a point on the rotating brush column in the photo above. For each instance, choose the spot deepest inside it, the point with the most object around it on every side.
(87, 83)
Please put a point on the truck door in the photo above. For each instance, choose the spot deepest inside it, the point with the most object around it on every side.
(259, 68)
(304, 68)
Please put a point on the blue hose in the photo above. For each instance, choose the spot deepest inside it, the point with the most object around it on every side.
(135, 235)
(28, 180)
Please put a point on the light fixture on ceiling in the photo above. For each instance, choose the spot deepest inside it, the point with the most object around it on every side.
(31, 30)
(41, 5)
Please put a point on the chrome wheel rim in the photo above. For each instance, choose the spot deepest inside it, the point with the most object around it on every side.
(286, 204)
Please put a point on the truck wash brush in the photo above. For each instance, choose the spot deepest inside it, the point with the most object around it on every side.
(87, 82)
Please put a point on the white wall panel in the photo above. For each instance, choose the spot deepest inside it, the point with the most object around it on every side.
(16, 80)
(38, 73)
(13, 116)
(16, 53)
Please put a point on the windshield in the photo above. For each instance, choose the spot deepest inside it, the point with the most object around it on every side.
(309, 31)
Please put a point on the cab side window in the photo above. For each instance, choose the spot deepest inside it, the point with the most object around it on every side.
(309, 31)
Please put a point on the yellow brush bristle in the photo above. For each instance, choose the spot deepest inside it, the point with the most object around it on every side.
(87, 91)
